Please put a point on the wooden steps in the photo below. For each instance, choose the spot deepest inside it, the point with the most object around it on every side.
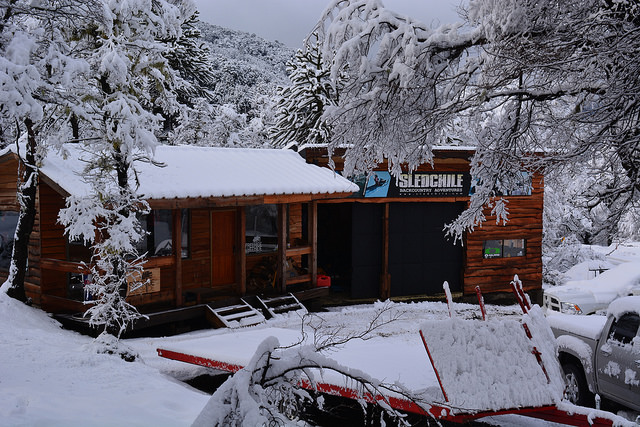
(234, 316)
(281, 304)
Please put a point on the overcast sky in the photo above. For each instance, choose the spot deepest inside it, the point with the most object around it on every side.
(289, 21)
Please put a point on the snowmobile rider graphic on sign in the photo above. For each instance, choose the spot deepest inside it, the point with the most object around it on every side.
(377, 184)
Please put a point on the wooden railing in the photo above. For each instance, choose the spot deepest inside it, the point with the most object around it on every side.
(298, 251)
(78, 267)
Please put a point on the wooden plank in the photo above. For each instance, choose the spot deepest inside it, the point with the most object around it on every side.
(205, 202)
(63, 265)
(160, 261)
(241, 272)
(298, 279)
(282, 245)
(313, 293)
(297, 251)
(301, 198)
(313, 240)
(176, 216)
(54, 304)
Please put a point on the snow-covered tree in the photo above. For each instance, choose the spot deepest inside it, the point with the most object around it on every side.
(521, 76)
(128, 72)
(220, 126)
(189, 58)
(301, 105)
(37, 64)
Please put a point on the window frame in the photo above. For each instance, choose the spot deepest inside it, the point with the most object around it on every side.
(501, 255)
(185, 213)
(273, 213)
(147, 221)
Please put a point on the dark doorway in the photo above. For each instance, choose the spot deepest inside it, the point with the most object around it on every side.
(420, 258)
(334, 244)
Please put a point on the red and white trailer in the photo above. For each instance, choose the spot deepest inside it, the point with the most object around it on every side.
(477, 368)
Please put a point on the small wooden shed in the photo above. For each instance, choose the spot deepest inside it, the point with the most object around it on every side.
(388, 238)
(224, 222)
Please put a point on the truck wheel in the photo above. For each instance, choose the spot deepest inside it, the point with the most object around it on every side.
(576, 390)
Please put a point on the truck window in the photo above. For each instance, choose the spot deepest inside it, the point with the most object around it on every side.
(625, 328)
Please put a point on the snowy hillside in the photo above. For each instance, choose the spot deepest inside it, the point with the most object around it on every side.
(246, 66)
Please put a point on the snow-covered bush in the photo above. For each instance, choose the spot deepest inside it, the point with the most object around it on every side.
(557, 260)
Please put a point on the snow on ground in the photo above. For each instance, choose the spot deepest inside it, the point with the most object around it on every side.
(616, 254)
(51, 376)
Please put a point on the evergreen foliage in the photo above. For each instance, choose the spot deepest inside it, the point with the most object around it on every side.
(301, 105)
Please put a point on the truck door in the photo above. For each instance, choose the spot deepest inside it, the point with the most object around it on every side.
(618, 361)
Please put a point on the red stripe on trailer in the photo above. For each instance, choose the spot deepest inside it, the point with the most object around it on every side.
(556, 415)
(200, 361)
(397, 403)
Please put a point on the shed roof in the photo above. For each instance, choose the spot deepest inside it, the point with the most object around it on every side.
(192, 172)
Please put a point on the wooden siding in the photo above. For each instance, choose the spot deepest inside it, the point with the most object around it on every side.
(196, 272)
(53, 240)
(525, 222)
(445, 160)
(9, 202)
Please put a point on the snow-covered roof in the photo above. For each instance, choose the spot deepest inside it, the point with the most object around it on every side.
(191, 172)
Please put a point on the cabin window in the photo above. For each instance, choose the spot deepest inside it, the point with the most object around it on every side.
(261, 229)
(157, 225)
(78, 250)
(8, 223)
(505, 248)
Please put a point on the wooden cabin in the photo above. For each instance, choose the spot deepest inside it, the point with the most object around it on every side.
(387, 239)
(223, 223)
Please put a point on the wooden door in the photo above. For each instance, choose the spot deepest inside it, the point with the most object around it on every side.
(223, 239)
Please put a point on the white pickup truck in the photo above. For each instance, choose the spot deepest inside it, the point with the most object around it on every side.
(601, 354)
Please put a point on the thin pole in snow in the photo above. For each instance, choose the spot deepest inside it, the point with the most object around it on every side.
(481, 302)
(447, 292)
(444, 393)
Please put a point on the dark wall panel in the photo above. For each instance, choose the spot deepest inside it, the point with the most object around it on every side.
(367, 250)
(420, 257)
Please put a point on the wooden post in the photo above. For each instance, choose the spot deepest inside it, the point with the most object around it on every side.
(313, 242)
(281, 269)
(385, 280)
(241, 273)
(177, 250)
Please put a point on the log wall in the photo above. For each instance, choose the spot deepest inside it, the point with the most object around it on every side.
(525, 222)
(9, 202)
(53, 241)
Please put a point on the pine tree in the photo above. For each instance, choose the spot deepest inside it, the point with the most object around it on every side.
(300, 107)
